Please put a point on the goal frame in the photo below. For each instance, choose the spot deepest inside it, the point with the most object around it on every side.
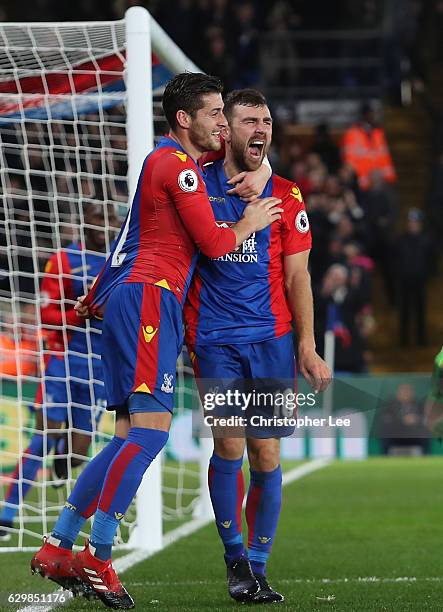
(144, 36)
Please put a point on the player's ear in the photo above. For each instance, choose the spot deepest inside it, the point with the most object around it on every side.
(226, 133)
(183, 119)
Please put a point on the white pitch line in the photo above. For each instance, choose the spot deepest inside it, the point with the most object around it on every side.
(127, 561)
(320, 581)
(122, 564)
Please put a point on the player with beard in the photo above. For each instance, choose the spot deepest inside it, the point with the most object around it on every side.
(239, 316)
(141, 291)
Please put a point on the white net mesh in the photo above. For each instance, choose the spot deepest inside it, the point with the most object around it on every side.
(63, 154)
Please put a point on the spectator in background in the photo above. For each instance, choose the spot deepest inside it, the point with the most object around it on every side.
(321, 230)
(19, 342)
(245, 46)
(299, 173)
(326, 148)
(22, 282)
(279, 56)
(221, 13)
(339, 295)
(335, 254)
(413, 263)
(401, 421)
(436, 192)
(364, 147)
(402, 48)
(349, 180)
(380, 210)
(182, 26)
(360, 268)
(219, 60)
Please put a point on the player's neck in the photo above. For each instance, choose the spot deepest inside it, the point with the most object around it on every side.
(230, 167)
(186, 144)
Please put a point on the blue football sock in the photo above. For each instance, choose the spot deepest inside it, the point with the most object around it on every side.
(262, 513)
(86, 493)
(30, 466)
(66, 528)
(122, 480)
(104, 529)
(82, 502)
(227, 490)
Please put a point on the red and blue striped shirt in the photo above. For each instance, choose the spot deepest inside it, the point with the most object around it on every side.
(170, 218)
(240, 297)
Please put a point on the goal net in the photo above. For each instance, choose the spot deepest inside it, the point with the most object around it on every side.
(71, 147)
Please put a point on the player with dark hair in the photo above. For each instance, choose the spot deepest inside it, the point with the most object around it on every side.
(65, 395)
(141, 292)
(238, 319)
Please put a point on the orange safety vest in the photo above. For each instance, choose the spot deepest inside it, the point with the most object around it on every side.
(367, 151)
(18, 360)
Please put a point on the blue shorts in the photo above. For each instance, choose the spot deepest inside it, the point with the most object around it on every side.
(70, 397)
(142, 339)
(262, 368)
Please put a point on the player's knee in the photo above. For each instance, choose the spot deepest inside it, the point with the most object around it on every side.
(122, 425)
(151, 420)
(229, 448)
(264, 455)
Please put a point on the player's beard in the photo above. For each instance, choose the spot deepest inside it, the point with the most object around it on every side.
(204, 140)
(242, 158)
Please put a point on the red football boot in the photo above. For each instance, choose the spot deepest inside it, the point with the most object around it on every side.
(101, 576)
(56, 564)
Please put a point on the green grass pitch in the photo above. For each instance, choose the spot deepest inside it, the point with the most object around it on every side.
(354, 536)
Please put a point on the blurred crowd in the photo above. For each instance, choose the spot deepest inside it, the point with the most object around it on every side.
(348, 184)
(256, 43)
(401, 425)
(49, 177)
(251, 42)
(348, 180)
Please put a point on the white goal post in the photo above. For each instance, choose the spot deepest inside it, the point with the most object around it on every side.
(53, 125)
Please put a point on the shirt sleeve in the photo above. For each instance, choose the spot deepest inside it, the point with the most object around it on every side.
(186, 188)
(94, 299)
(55, 290)
(296, 233)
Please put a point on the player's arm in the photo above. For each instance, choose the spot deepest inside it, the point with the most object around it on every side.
(55, 289)
(299, 296)
(93, 304)
(187, 190)
(89, 305)
(214, 241)
(249, 185)
(296, 246)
